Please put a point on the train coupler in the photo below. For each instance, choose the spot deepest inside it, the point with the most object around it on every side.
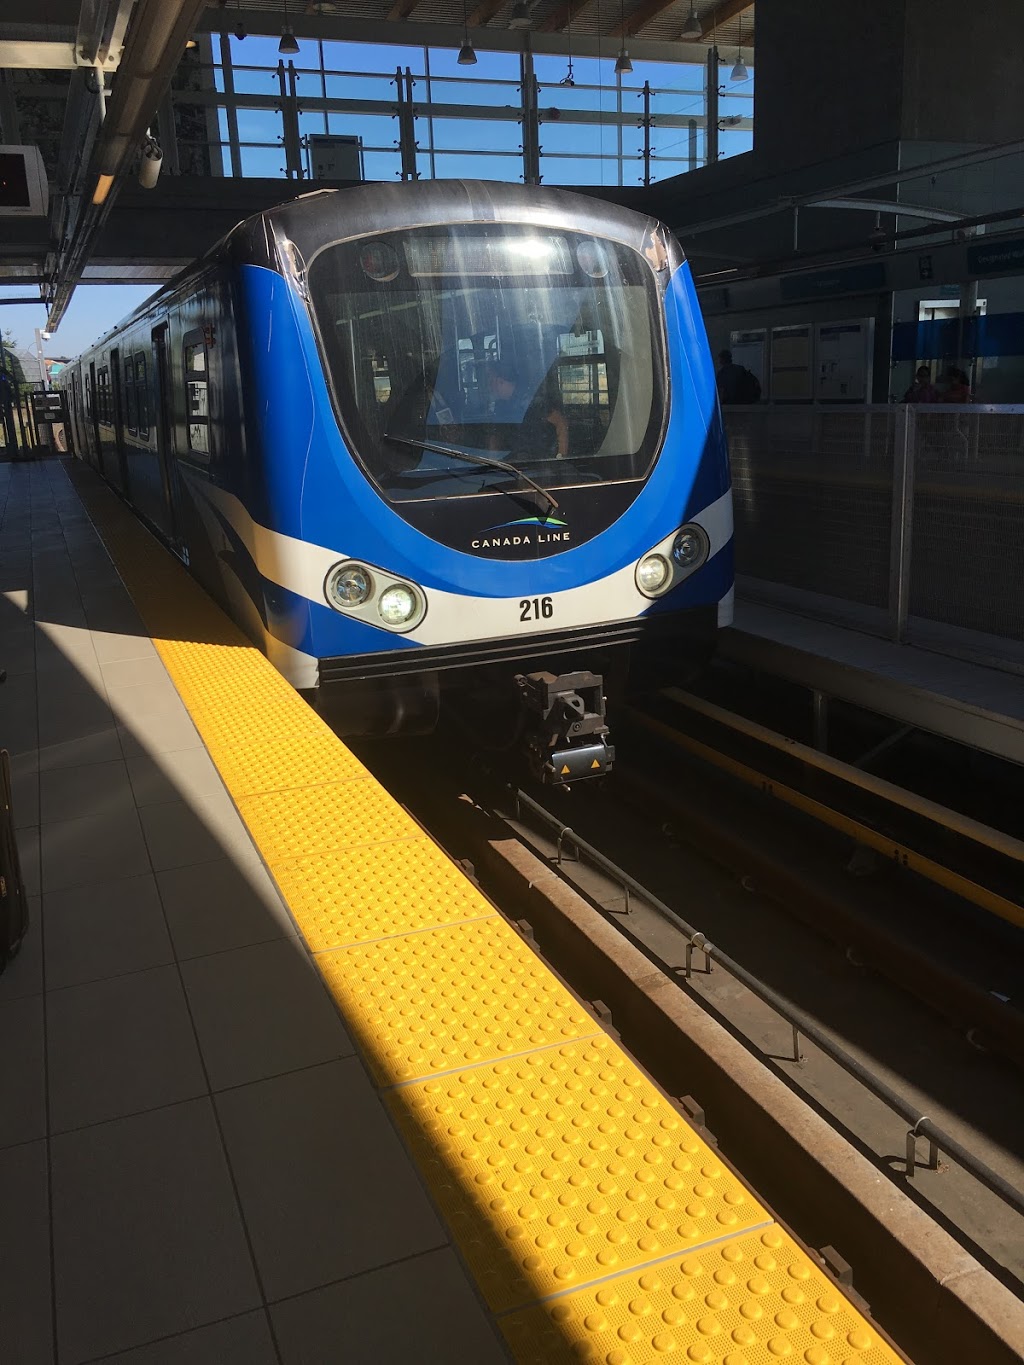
(565, 730)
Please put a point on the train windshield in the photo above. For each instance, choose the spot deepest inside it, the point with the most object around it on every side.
(454, 351)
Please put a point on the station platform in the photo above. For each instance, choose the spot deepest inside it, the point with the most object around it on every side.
(279, 1083)
(974, 705)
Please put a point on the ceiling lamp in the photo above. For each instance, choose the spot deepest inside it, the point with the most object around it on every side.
(739, 71)
(467, 53)
(693, 27)
(240, 25)
(287, 47)
(520, 15)
(622, 63)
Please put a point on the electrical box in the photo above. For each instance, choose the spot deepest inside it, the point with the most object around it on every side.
(24, 190)
(335, 157)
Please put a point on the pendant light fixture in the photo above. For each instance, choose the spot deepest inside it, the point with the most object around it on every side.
(739, 71)
(693, 28)
(568, 78)
(467, 53)
(240, 25)
(622, 63)
(287, 47)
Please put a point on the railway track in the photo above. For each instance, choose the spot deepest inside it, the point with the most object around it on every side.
(742, 899)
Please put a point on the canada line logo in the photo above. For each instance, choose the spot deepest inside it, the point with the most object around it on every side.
(524, 531)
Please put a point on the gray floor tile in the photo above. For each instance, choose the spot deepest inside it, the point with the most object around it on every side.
(180, 834)
(145, 699)
(62, 647)
(239, 1341)
(104, 930)
(440, 1320)
(215, 906)
(95, 848)
(22, 1077)
(119, 1046)
(25, 788)
(260, 1011)
(103, 746)
(23, 974)
(27, 839)
(158, 778)
(72, 714)
(147, 1237)
(158, 734)
(326, 1187)
(19, 726)
(112, 647)
(26, 1315)
(75, 793)
(116, 619)
(18, 649)
(135, 672)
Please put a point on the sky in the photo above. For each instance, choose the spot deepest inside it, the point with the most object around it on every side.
(93, 310)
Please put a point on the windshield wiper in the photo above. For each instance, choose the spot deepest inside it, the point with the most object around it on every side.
(471, 457)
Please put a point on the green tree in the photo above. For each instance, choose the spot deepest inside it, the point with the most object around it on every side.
(12, 362)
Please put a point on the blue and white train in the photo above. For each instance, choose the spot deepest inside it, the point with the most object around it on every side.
(441, 439)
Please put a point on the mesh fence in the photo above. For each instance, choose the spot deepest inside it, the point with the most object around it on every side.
(812, 497)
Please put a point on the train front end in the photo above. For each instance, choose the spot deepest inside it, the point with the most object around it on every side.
(500, 406)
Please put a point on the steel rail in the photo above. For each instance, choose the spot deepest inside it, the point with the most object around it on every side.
(891, 848)
(921, 1126)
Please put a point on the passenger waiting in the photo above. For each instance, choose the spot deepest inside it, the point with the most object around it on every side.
(922, 390)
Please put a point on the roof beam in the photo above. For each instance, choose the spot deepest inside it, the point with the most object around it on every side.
(400, 10)
(650, 9)
(563, 15)
(484, 13)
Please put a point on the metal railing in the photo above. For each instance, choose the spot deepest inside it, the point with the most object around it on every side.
(907, 521)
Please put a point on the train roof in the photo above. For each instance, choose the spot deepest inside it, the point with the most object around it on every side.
(312, 220)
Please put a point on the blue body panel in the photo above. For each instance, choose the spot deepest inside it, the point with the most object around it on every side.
(299, 479)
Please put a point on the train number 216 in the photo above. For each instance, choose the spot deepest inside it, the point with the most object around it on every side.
(536, 609)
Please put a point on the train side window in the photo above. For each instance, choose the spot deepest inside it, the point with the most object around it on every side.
(103, 396)
(142, 396)
(197, 384)
(88, 397)
(130, 405)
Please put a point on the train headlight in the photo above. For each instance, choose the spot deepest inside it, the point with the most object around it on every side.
(397, 605)
(653, 574)
(690, 547)
(349, 585)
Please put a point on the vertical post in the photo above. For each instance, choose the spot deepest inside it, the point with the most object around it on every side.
(646, 125)
(230, 108)
(902, 522)
(406, 124)
(819, 704)
(711, 107)
(796, 228)
(531, 118)
(618, 122)
(290, 110)
(691, 129)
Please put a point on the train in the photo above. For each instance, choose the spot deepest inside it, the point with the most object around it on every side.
(436, 444)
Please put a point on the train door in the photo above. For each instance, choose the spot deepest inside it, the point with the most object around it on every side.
(171, 524)
(117, 417)
(92, 416)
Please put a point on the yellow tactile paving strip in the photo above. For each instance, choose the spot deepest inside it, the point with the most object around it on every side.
(598, 1224)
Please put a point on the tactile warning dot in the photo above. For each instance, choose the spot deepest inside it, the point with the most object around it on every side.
(565, 1166)
(275, 764)
(452, 997)
(353, 895)
(289, 824)
(754, 1300)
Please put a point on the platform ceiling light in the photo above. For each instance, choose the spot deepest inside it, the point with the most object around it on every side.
(467, 53)
(622, 63)
(520, 15)
(739, 71)
(288, 47)
(240, 32)
(693, 27)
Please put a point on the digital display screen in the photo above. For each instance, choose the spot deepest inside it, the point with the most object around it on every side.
(528, 254)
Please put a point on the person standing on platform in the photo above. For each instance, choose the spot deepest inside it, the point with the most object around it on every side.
(958, 386)
(922, 390)
(731, 379)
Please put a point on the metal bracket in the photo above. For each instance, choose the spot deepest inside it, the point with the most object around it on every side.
(932, 1164)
